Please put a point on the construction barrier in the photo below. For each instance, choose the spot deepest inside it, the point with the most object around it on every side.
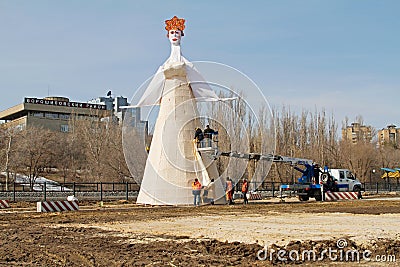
(333, 196)
(254, 196)
(57, 206)
(4, 204)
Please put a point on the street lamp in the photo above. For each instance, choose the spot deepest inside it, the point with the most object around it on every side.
(370, 177)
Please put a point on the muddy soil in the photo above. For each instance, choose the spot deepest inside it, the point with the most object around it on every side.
(123, 234)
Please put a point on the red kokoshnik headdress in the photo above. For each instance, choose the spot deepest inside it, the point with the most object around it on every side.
(175, 24)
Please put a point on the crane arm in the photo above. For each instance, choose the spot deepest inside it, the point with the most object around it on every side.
(268, 157)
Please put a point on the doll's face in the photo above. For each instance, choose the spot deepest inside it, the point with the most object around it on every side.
(174, 37)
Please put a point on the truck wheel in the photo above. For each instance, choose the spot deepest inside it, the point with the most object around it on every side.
(304, 198)
(318, 197)
(356, 189)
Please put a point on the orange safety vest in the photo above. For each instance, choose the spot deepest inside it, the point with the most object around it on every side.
(245, 187)
(196, 186)
(229, 186)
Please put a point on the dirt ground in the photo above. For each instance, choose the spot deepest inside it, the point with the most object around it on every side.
(124, 234)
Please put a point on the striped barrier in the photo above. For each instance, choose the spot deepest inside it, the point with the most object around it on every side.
(4, 204)
(254, 196)
(57, 206)
(333, 196)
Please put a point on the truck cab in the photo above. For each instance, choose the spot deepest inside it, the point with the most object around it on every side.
(345, 180)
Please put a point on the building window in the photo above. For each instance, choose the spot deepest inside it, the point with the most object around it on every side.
(38, 114)
(51, 115)
(64, 116)
(64, 128)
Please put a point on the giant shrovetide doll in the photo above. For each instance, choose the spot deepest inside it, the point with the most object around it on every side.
(173, 162)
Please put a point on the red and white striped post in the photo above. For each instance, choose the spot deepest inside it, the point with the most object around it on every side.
(334, 196)
(4, 204)
(57, 206)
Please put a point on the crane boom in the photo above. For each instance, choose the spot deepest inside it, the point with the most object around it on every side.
(268, 157)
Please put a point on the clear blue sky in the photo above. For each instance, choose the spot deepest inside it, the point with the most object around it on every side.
(341, 55)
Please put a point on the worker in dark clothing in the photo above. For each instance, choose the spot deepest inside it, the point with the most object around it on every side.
(330, 184)
(317, 171)
(208, 135)
(208, 132)
(198, 135)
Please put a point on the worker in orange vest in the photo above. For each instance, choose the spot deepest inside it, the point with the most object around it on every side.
(245, 189)
(196, 190)
(229, 191)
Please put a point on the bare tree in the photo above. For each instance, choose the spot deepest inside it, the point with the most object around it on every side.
(34, 152)
(359, 157)
(115, 165)
(9, 138)
(94, 136)
(101, 142)
(69, 156)
(310, 135)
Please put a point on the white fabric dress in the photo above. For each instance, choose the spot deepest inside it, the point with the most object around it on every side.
(173, 162)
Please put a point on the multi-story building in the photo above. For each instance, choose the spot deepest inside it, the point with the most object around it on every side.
(136, 121)
(118, 106)
(52, 113)
(357, 132)
(113, 104)
(389, 136)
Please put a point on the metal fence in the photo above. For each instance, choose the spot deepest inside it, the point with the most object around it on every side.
(83, 191)
(129, 191)
(382, 187)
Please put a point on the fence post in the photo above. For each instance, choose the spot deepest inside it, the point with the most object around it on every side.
(273, 189)
(101, 191)
(127, 191)
(44, 190)
(14, 194)
(377, 190)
